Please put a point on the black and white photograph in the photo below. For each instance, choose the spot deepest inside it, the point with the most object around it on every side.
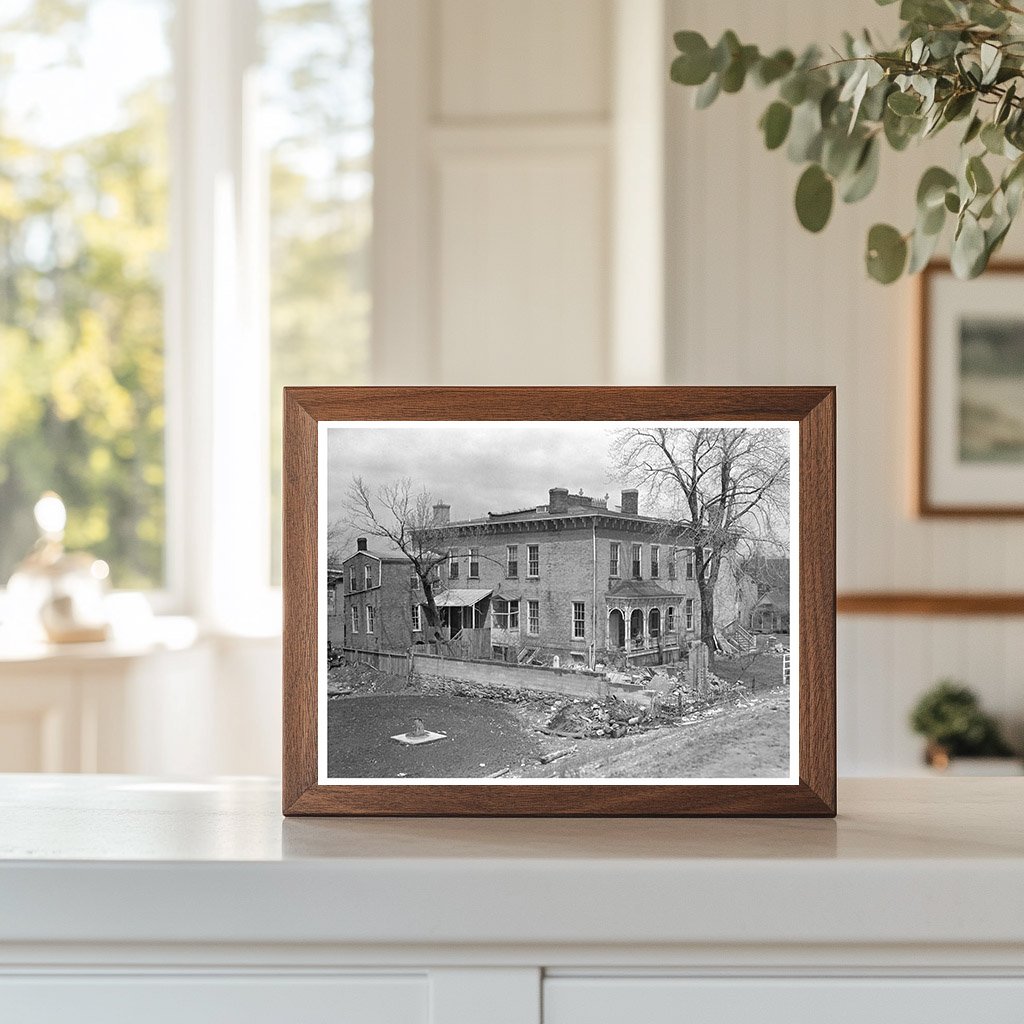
(530, 602)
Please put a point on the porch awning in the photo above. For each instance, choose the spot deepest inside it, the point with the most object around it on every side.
(460, 598)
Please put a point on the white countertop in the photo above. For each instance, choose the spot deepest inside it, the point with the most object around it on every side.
(120, 859)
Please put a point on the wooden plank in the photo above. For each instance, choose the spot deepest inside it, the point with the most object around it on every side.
(928, 603)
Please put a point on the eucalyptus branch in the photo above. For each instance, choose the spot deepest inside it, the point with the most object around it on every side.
(956, 61)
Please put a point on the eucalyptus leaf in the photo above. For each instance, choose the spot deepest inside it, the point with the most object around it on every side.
(724, 51)
(991, 60)
(794, 88)
(904, 103)
(814, 196)
(987, 15)
(1005, 105)
(958, 105)
(931, 190)
(707, 93)
(973, 130)
(735, 74)
(840, 152)
(775, 124)
(993, 138)
(978, 176)
(968, 248)
(932, 221)
(865, 173)
(805, 133)
(771, 69)
(886, 253)
(922, 247)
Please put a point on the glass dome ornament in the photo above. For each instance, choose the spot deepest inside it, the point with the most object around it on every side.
(55, 595)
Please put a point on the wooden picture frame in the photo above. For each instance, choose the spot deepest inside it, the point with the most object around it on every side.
(807, 412)
(941, 488)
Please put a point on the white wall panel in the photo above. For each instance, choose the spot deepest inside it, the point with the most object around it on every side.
(754, 299)
(526, 58)
(521, 279)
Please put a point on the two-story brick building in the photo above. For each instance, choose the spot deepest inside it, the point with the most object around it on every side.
(378, 601)
(572, 579)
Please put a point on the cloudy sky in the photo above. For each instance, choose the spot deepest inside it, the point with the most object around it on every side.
(476, 468)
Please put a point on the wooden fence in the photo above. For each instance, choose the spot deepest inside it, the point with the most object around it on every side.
(395, 663)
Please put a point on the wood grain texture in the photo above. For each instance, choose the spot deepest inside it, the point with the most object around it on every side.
(299, 592)
(923, 503)
(925, 603)
(812, 407)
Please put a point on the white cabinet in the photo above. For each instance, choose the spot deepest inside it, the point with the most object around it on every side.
(133, 899)
(829, 1000)
(216, 1000)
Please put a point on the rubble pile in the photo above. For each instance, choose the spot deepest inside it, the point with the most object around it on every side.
(611, 717)
(505, 694)
(345, 679)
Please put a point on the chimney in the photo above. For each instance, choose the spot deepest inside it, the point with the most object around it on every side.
(558, 501)
(631, 502)
(442, 514)
(360, 544)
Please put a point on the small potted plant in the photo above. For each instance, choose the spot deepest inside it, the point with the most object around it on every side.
(950, 717)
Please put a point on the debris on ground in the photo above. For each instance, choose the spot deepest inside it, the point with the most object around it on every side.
(556, 754)
(343, 680)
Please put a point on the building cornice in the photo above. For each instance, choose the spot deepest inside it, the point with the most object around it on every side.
(661, 528)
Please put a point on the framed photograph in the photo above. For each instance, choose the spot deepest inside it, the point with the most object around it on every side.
(559, 601)
(970, 450)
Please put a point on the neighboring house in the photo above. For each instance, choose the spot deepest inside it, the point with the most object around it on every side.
(572, 578)
(771, 613)
(379, 606)
(335, 606)
(764, 594)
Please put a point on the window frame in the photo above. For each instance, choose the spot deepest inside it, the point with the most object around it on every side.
(453, 565)
(655, 561)
(637, 561)
(512, 561)
(371, 616)
(615, 559)
(355, 619)
(532, 617)
(688, 610)
(531, 573)
(579, 620)
(417, 619)
(474, 564)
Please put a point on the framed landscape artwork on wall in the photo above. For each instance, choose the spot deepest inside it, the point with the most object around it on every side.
(559, 601)
(970, 450)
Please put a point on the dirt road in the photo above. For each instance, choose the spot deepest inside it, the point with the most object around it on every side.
(735, 741)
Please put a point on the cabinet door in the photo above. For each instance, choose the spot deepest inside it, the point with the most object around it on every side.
(202, 999)
(677, 1000)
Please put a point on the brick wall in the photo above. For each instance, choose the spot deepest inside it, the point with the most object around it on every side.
(566, 575)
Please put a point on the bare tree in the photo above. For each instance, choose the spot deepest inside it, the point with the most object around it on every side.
(405, 518)
(339, 540)
(729, 486)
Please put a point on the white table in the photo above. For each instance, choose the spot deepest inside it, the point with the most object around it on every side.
(125, 898)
